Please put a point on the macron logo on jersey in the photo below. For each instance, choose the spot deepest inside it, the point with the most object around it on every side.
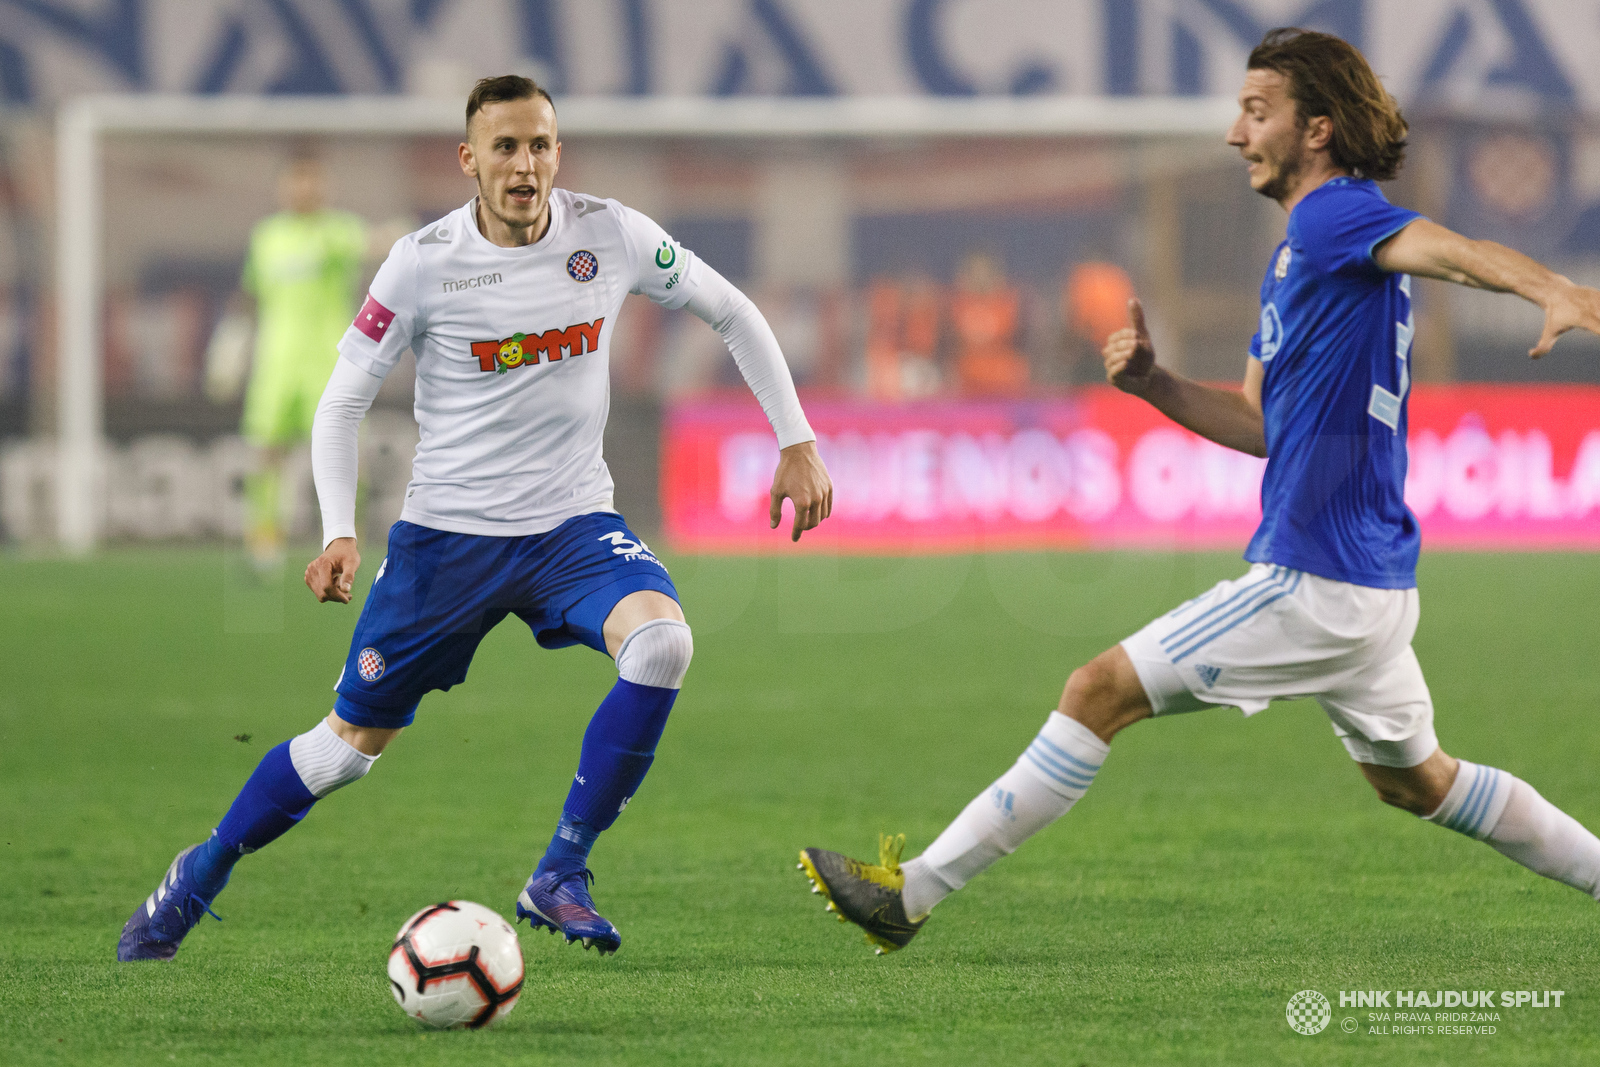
(373, 319)
(472, 283)
(522, 349)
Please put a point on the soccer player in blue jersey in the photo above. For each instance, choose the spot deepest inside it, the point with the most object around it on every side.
(1329, 605)
(509, 304)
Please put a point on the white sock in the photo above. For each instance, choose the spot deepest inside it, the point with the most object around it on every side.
(1476, 800)
(1513, 819)
(1044, 783)
(325, 761)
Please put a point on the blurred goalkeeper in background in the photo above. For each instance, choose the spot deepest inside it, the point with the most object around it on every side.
(301, 274)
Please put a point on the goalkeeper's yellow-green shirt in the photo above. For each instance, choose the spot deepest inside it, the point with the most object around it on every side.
(303, 271)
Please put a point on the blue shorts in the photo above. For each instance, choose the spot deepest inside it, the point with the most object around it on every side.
(438, 593)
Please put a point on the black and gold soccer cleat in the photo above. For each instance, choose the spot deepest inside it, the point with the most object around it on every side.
(867, 894)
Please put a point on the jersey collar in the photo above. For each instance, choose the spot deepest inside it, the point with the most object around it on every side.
(482, 243)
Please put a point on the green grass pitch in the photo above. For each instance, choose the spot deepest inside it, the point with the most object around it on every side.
(1217, 866)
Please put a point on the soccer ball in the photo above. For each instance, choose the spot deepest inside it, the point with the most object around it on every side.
(456, 964)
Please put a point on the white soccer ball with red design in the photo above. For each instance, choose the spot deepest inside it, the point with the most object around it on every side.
(456, 964)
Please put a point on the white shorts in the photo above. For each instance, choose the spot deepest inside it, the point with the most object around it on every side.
(1281, 634)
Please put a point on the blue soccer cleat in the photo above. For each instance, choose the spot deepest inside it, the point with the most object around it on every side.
(559, 900)
(158, 926)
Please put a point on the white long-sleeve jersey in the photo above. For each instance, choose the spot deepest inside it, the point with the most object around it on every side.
(513, 383)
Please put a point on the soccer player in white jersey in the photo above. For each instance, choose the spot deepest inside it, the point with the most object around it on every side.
(509, 304)
(1329, 605)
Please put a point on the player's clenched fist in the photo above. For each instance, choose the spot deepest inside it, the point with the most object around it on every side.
(804, 480)
(331, 574)
(1130, 358)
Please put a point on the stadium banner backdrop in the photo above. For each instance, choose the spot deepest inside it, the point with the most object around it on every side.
(1492, 466)
(1446, 52)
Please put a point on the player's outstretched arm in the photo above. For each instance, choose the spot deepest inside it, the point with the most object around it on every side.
(331, 574)
(1222, 415)
(1427, 249)
(804, 480)
(801, 475)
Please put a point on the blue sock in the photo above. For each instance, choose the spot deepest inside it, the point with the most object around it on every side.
(569, 848)
(271, 802)
(618, 748)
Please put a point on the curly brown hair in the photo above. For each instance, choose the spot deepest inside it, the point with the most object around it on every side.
(1328, 77)
(503, 87)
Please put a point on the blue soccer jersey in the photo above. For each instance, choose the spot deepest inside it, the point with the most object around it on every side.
(1334, 341)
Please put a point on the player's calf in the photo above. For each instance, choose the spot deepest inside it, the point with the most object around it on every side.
(1050, 776)
(1419, 789)
(891, 901)
(1101, 698)
(618, 748)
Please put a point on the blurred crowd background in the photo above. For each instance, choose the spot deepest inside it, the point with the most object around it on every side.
(898, 269)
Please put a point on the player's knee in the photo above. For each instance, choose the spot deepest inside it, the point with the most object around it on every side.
(325, 761)
(1092, 696)
(656, 653)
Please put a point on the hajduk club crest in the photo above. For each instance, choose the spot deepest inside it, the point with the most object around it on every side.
(370, 665)
(583, 266)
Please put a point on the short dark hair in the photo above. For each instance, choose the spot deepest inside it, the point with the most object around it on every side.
(1329, 77)
(304, 150)
(503, 87)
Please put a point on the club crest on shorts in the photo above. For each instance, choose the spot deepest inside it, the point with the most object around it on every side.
(370, 665)
(583, 266)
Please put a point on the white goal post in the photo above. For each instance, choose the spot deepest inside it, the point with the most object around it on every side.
(83, 123)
